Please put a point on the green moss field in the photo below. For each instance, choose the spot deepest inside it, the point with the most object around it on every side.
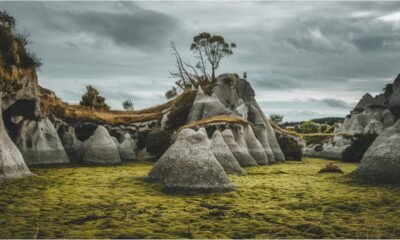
(288, 200)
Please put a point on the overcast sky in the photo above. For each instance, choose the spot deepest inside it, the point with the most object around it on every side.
(304, 59)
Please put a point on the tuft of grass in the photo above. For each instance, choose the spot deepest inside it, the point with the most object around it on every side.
(288, 200)
(331, 168)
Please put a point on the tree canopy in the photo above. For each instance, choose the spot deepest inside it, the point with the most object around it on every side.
(92, 99)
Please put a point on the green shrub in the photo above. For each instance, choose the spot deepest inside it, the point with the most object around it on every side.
(290, 148)
(142, 139)
(360, 144)
(158, 141)
(180, 110)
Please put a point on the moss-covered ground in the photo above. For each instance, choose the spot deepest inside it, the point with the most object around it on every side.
(290, 200)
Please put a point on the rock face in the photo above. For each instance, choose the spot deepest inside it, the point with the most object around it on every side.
(381, 162)
(39, 143)
(365, 101)
(224, 155)
(70, 142)
(205, 106)
(254, 146)
(127, 148)
(189, 164)
(394, 100)
(100, 148)
(331, 150)
(242, 155)
(234, 92)
(12, 164)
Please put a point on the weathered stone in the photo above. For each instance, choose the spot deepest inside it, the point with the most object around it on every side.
(241, 154)
(127, 148)
(12, 164)
(381, 162)
(39, 143)
(100, 148)
(70, 142)
(224, 155)
(189, 164)
(254, 146)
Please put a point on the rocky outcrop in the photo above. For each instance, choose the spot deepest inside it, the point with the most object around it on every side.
(70, 142)
(189, 164)
(254, 146)
(205, 106)
(39, 143)
(12, 164)
(394, 100)
(333, 149)
(233, 91)
(100, 148)
(365, 101)
(242, 155)
(127, 148)
(224, 155)
(381, 162)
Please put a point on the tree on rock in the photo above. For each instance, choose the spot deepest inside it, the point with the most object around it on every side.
(276, 118)
(212, 47)
(92, 99)
(127, 105)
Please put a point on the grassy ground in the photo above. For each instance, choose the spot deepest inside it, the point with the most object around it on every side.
(289, 200)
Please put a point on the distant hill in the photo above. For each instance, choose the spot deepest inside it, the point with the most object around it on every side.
(326, 120)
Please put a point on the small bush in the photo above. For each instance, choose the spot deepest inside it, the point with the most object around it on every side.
(290, 148)
(142, 139)
(180, 110)
(158, 141)
(360, 144)
(331, 168)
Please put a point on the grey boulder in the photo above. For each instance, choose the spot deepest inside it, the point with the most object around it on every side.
(224, 155)
(241, 154)
(381, 162)
(100, 148)
(189, 164)
(12, 164)
(39, 143)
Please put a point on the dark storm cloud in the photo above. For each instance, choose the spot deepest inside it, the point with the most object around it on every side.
(304, 59)
(336, 103)
(135, 28)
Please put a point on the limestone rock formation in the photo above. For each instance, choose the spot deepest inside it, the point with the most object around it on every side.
(241, 154)
(39, 143)
(127, 148)
(205, 106)
(70, 142)
(381, 162)
(100, 148)
(238, 135)
(365, 101)
(254, 146)
(12, 164)
(394, 101)
(189, 164)
(232, 91)
(224, 155)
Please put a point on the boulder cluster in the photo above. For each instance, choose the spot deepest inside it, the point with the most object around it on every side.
(371, 115)
(196, 161)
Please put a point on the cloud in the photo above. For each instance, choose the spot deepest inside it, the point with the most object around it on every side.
(336, 103)
(319, 56)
